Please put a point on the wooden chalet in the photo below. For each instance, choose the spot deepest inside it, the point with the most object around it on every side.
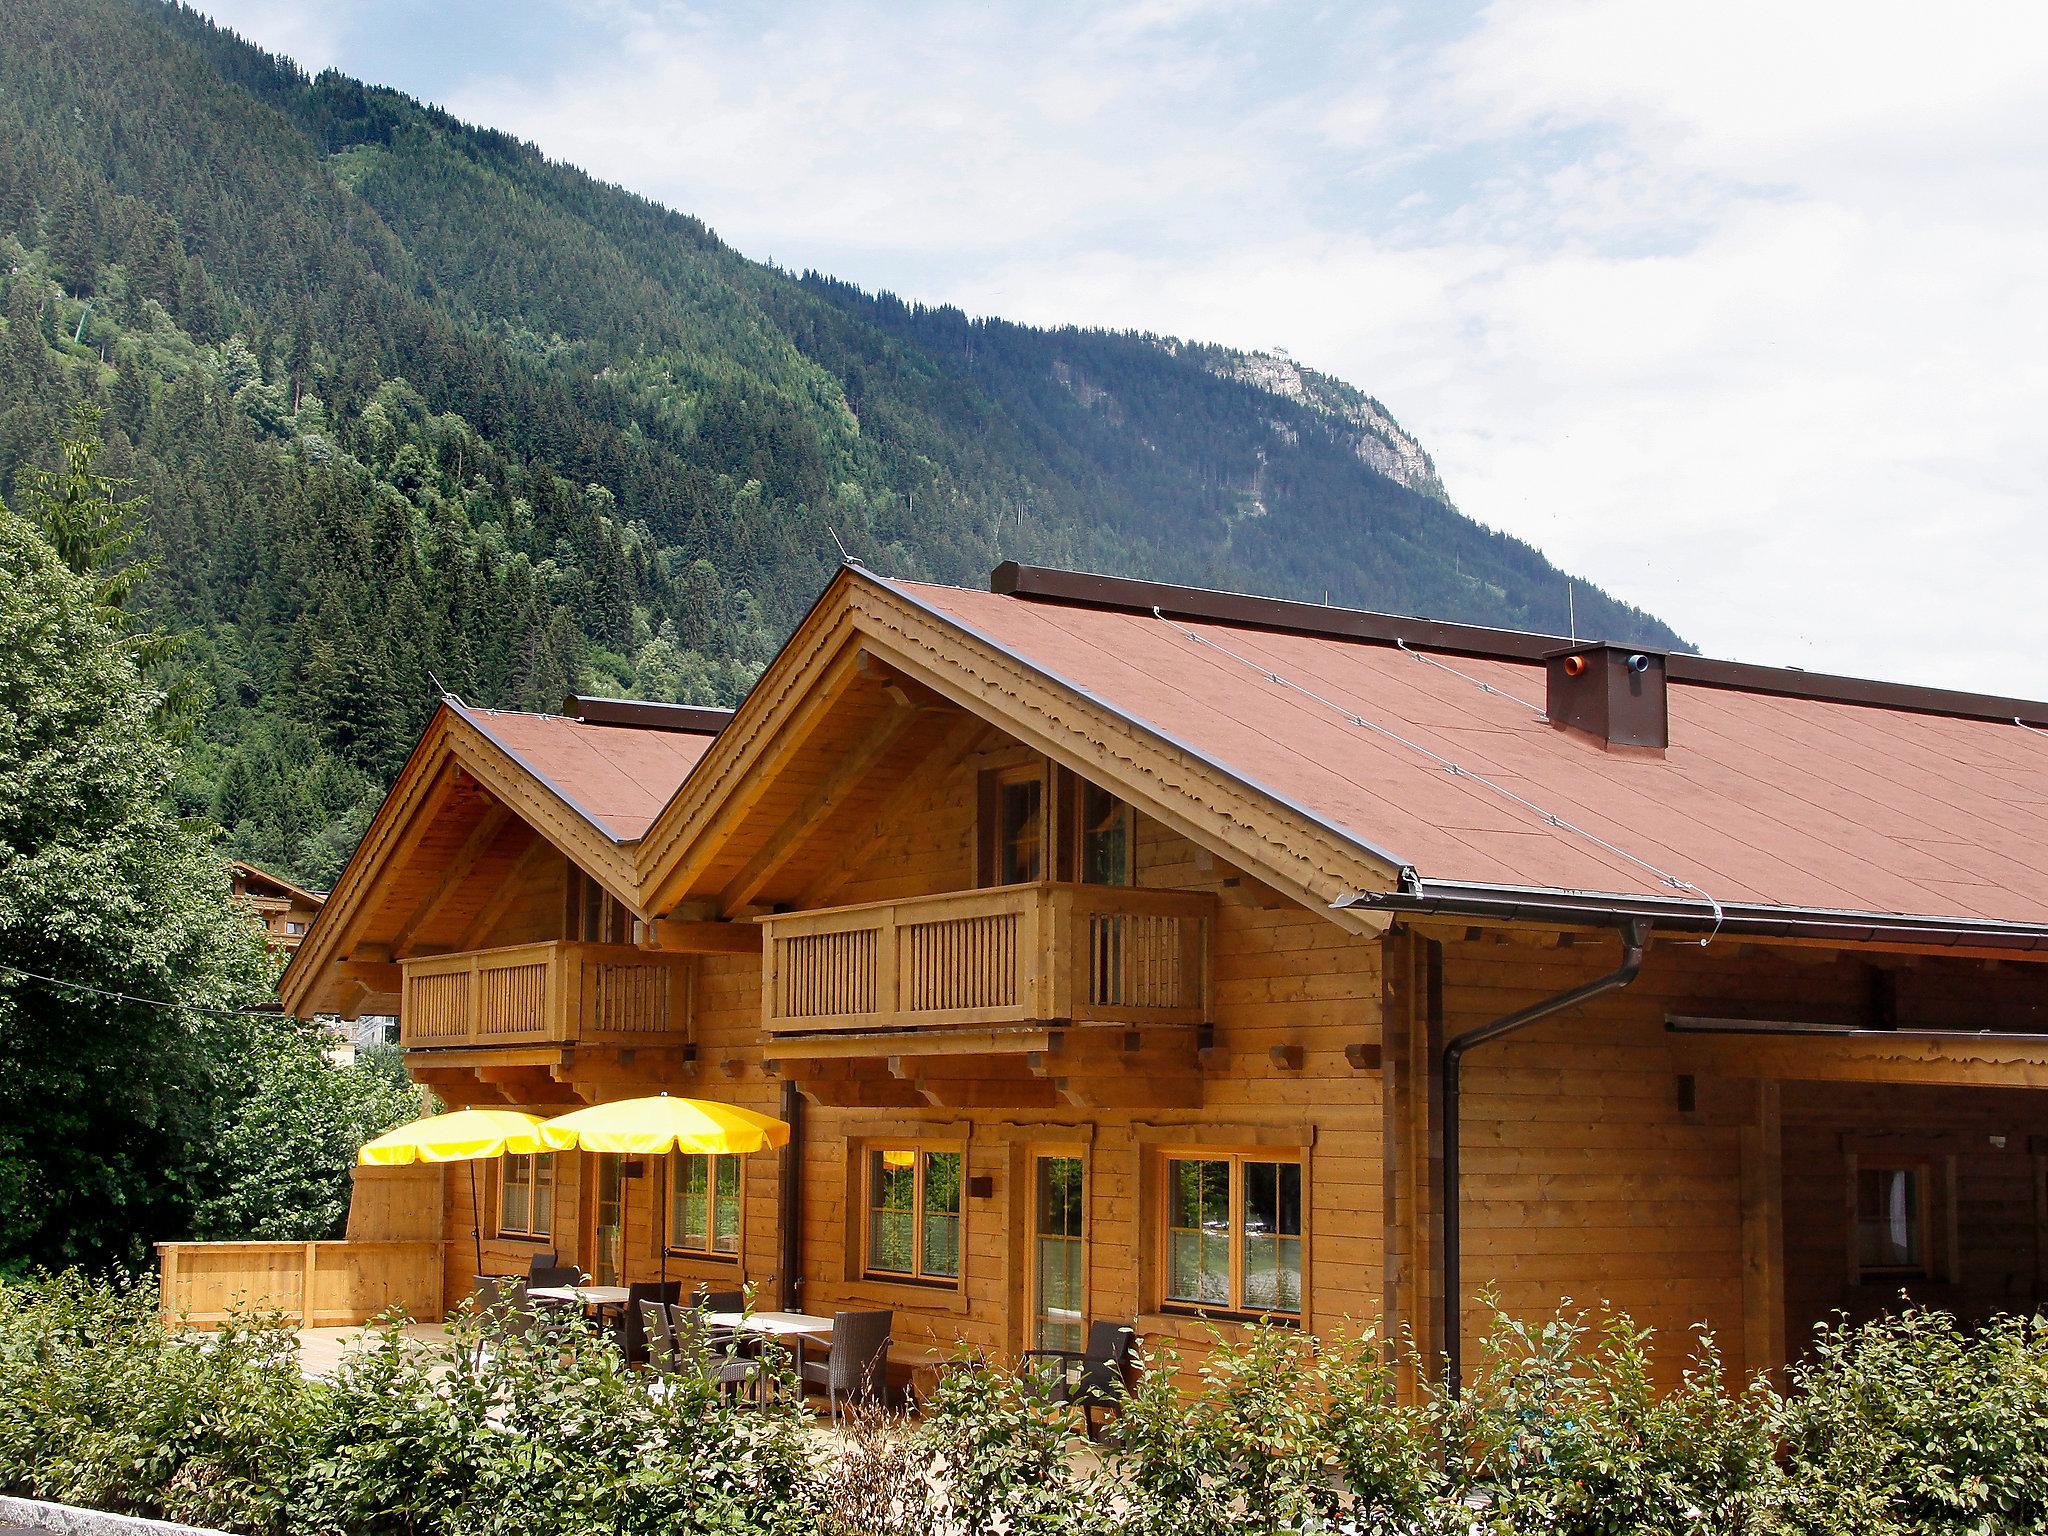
(283, 910)
(1123, 951)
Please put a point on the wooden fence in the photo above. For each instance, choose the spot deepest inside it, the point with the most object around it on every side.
(318, 1285)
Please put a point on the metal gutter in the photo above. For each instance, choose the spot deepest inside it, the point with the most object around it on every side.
(1634, 941)
(1455, 899)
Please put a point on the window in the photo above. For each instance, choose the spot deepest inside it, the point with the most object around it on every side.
(704, 1205)
(1891, 1220)
(1233, 1234)
(593, 914)
(1103, 825)
(294, 927)
(526, 1195)
(1058, 1306)
(1020, 838)
(913, 1213)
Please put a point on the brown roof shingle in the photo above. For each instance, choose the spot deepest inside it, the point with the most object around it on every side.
(617, 777)
(1766, 799)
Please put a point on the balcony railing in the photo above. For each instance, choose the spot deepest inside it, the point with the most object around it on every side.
(543, 994)
(1015, 954)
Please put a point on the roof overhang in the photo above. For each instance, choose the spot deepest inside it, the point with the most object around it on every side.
(1420, 898)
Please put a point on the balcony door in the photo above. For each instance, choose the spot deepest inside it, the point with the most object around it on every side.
(608, 1218)
(1058, 1250)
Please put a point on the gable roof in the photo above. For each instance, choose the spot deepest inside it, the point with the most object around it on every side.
(256, 874)
(1775, 791)
(588, 784)
(617, 777)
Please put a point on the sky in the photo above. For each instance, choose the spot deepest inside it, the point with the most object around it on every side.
(1739, 309)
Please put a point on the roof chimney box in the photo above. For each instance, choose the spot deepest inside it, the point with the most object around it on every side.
(1611, 693)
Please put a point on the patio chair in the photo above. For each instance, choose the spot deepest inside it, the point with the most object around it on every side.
(729, 1301)
(632, 1331)
(1092, 1379)
(857, 1365)
(661, 1338)
(502, 1303)
(541, 1276)
(711, 1353)
(541, 1263)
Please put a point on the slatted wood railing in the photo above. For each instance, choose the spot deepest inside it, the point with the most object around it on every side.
(1014, 954)
(539, 994)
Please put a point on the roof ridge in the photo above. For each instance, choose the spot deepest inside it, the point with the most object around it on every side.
(1244, 610)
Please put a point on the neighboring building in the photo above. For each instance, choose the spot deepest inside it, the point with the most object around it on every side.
(1104, 940)
(285, 910)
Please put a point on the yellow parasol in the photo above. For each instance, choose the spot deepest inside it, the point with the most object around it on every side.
(659, 1126)
(461, 1137)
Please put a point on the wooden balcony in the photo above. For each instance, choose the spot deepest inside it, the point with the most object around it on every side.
(545, 994)
(1013, 955)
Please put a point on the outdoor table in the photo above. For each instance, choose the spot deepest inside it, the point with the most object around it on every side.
(594, 1298)
(774, 1325)
(789, 1329)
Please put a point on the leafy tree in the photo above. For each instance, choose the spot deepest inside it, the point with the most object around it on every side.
(90, 529)
(288, 1125)
(101, 1098)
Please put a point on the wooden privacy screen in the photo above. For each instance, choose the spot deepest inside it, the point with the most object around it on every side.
(318, 1285)
(1013, 954)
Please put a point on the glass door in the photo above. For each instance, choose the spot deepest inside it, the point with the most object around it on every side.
(608, 1221)
(1059, 1309)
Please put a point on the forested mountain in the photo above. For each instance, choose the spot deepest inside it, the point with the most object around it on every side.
(410, 403)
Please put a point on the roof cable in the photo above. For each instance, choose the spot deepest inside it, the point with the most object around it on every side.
(1477, 682)
(1457, 770)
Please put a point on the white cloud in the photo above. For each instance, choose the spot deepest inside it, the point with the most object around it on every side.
(311, 34)
(1733, 307)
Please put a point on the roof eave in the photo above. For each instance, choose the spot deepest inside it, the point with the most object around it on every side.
(1690, 915)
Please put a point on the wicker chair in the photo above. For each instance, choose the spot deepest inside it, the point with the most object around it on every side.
(501, 1301)
(1092, 1379)
(710, 1353)
(857, 1366)
(661, 1338)
(542, 1263)
(632, 1333)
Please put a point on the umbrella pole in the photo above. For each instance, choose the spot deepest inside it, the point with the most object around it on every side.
(476, 1218)
(661, 1219)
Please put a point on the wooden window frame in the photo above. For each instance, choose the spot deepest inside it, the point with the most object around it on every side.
(1070, 790)
(922, 1148)
(672, 1162)
(533, 1162)
(1931, 1265)
(1162, 1218)
(1079, 1152)
(988, 832)
(590, 913)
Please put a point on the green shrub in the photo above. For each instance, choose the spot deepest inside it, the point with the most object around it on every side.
(1562, 1430)
(100, 1406)
(1912, 1424)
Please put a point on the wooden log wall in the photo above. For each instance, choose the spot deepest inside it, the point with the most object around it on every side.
(1594, 1170)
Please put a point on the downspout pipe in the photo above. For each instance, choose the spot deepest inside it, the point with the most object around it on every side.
(789, 1203)
(1635, 937)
